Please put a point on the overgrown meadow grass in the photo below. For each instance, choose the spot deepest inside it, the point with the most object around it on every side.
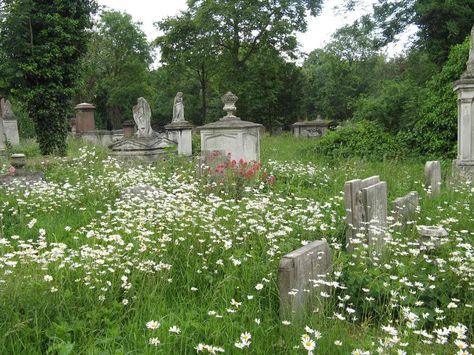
(115, 258)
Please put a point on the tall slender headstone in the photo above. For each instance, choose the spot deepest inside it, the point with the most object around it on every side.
(463, 166)
(433, 177)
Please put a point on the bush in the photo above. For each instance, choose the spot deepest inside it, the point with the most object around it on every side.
(362, 139)
(435, 132)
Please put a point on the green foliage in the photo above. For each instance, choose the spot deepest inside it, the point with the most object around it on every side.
(115, 69)
(42, 43)
(363, 139)
(435, 132)
(393, 106)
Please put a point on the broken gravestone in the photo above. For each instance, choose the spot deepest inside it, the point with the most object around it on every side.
(404, 208)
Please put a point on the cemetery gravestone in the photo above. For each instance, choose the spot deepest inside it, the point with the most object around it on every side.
(374, 213)
(405, 208)
(10, 124)
(298, 271)
(354, 208)
(180, 130)
(433, 177)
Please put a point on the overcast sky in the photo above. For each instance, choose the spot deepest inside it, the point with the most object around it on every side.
(319, 28)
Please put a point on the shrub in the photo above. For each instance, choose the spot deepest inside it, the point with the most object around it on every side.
(362, 139)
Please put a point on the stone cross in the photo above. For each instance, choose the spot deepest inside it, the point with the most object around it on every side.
(301, 277)
(142, 117)
(433, 177)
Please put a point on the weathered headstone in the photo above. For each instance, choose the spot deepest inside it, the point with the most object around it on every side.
(404, 208)
(374, 213)
(9, 122)
(463, 166)
(354, 208)
(240, 139)
(433, 177)
(298, 275)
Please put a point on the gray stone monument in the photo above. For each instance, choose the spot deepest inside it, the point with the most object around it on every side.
(240, 139)
(147, 145)
(374, 214)
(354, 208)
(299, 279)
(404, 208)
(433, 177)
(180, 130)
(463, 166)
(20, 177)
(10, 124)
(311, 129)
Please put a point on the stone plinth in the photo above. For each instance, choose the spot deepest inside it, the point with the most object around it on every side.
(240, 139)
(85, 121)
(181, 132)
(433, 178)
(463, 166)
(146, 149)
(301, 276)
(310, 129)
(128, 129)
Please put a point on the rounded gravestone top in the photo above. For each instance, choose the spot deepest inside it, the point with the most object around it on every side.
(84, 106)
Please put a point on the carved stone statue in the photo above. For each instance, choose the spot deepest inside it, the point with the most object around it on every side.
(142, 117)
(6, 111)
(470, 63)
(178, 108)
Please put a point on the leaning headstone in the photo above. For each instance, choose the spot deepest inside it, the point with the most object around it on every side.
(433, 177)
(354, 208)
(374, 214)
(404, 208)
(463, 166)
(299, 279)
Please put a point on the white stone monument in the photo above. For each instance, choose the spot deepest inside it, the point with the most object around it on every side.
(239, 139)
(9, 122)
(180, 130)
(463, 166)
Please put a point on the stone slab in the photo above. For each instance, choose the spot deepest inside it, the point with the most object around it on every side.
(353, 206)
(11, 131)
(404, 208)
(433, 177)
(374, 200)
(298, 271)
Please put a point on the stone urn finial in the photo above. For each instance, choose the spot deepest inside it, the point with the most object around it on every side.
(229, 101)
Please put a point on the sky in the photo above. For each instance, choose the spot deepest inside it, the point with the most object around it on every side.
(319, 31)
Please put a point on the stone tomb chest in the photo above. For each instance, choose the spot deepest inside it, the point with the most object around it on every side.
(237, 138)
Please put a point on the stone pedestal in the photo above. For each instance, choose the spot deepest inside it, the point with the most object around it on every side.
(128, 129)
(85, 121)
(10, 127)
(310, 129)
(463, 166)
(181, 132)
(240, 139)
